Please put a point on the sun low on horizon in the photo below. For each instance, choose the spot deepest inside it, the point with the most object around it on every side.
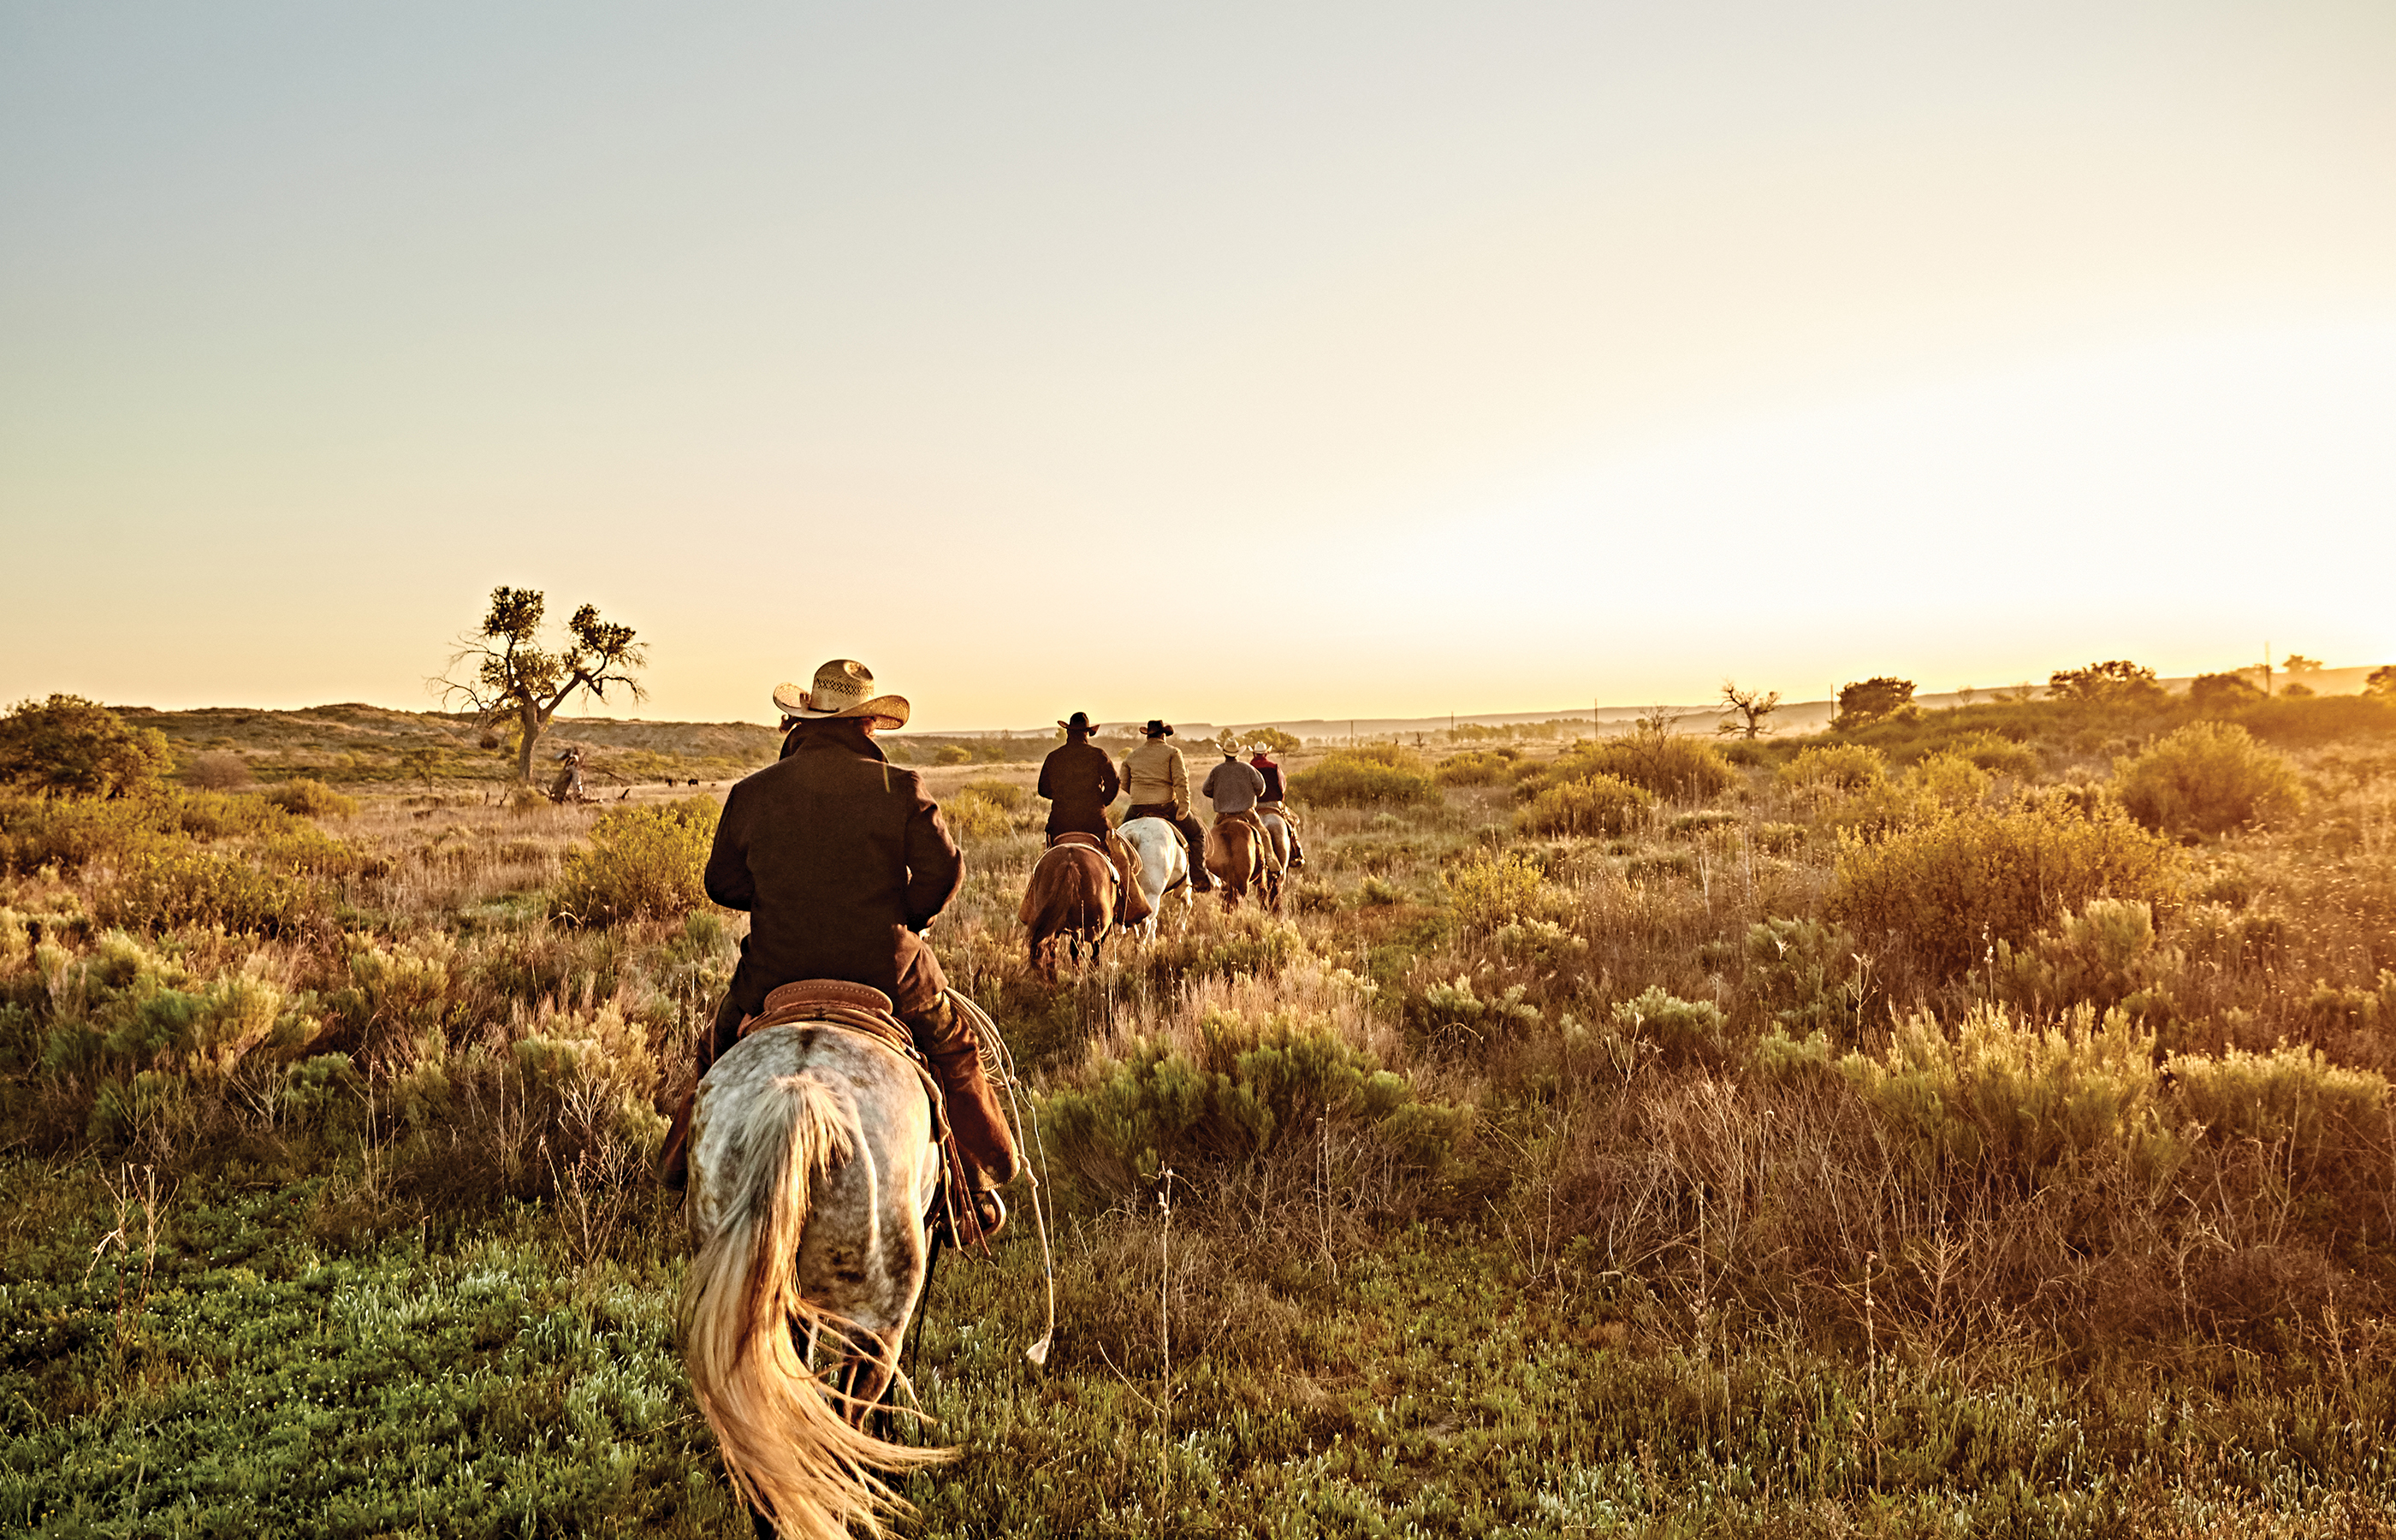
(1266, 363)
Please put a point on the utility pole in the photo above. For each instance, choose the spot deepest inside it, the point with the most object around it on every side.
(2267, 670)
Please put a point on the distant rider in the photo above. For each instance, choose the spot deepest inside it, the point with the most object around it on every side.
(1235, 787)
(1271, 802)
(1158, 784)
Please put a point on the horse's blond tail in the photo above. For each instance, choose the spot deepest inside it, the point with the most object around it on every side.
(787, 1447)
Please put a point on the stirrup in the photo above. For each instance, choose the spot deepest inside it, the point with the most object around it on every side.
(991, 1209)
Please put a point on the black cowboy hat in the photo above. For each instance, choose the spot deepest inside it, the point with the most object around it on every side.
(1078, 722)
(1156, 728)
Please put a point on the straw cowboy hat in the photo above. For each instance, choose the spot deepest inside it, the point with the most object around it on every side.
(844, 687)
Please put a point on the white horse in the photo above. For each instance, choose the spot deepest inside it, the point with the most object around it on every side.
(1163, 866)
(812, 1168)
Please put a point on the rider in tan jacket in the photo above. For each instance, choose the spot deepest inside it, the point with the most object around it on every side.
(1158, 784)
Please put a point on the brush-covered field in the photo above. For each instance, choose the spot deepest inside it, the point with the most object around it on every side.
(1975, 1123)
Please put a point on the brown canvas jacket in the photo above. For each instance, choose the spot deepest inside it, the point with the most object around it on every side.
(1079, 780)
(840, 858)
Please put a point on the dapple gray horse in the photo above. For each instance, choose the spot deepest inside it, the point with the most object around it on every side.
(1164, 867)
(812, 1168)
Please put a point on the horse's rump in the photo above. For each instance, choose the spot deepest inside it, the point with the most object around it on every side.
(1072, 885)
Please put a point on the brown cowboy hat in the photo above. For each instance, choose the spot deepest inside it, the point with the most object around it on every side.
(1158, 729)
(842, 688)
(1078, 722)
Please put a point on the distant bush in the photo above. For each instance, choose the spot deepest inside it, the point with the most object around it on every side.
(312, 799)
(1601, 805)
(1491, 892)
(2117, 686)
(1839, 766)
(2206, 780)
(1995, 753)
(1476, 767)
(1289, 1084)
(1952, 885)
(1873, 701)
(1949, 780)
(952, 754)
(67, 746)
(1364, 776)
(1010, 797)
(218, 770)
(972, 814)
(2219, 692)
(1666, 763)
(645, 862)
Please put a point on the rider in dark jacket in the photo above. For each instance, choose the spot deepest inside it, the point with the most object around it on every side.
(1079, 781)
(842, 860)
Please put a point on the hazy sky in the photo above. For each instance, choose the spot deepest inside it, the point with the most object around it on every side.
(1228, 361)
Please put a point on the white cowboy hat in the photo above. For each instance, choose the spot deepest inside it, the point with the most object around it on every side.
(844, 687)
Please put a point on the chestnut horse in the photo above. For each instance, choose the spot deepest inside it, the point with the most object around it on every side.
(1075, 897)
(1241, 855)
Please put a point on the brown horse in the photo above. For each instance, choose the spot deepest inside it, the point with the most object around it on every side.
(1074, 898)
(1241, 855)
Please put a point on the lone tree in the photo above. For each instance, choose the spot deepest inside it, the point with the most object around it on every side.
(69, 747)
(502, 670)
(2297, 663)
(1754, 704)
(1862, 704)
(2381, 681)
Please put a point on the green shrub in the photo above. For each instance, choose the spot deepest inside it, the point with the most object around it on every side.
(67, 832)
(1288, 1085)
(2311, 1114)
(1954, 885)
(312, 799)
(642, 862)
(1683, 1030)
(1599, 805)
(1806, 973)
(69, 747)
(952, 754)
(2206, 780)
(164, 887)
(2105, 956)
(1950, 781)
(1836, 766)
(1373, 774)
(1489, 892)
(2005, 1098)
